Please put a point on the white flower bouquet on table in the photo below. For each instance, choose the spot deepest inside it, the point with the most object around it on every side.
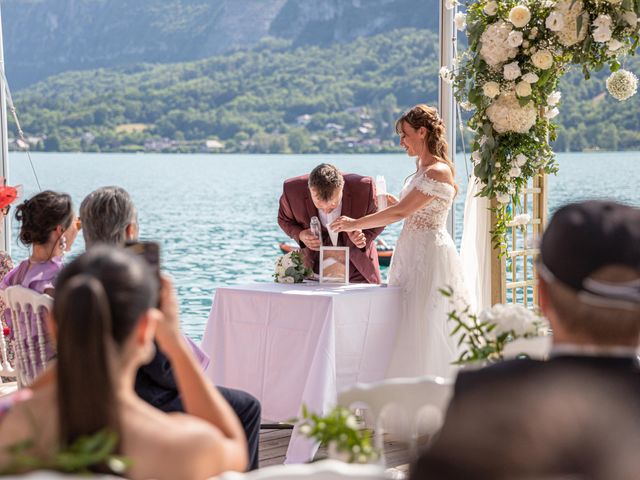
(290, 268)
(486, 334)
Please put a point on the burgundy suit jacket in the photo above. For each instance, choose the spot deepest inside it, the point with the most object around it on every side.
(358, 200)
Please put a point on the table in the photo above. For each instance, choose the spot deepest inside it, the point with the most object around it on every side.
(290, 345)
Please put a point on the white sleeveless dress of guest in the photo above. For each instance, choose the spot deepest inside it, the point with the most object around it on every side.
(425, 259)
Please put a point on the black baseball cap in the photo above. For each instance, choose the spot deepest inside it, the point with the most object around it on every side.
(583, 237)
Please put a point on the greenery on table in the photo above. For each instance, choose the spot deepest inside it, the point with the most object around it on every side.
(339, 427)
(83, 456)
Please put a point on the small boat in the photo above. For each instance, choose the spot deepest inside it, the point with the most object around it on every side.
(385, 252)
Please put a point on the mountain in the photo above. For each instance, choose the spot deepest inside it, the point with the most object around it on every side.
(46, 37)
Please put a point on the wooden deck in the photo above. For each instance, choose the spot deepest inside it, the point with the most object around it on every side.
(274, 443)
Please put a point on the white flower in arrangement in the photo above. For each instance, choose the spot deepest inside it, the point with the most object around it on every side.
(613, 2)
(450, 4)
(461, 21)
(542, 59)
(554, 98)
(290, 268)
(602, 34)
(533, 33)
(497, 165)
(503, 197)
(515, 172)
(511, 318)
(511, 71)
(521, 160)
(515, 39)
(530, 77)
(555, 21)
(622, 84)
(570, 10)
(511, 189)
(602, 21)
(467, 106)
(506, 114)
(494, 48)
(523, 89)
(521, 219)
(491, 8)
(519, 16)
(525, 44)
(630, 17)
(614, 45)
(491, 89)
(550, 113)
(476, 156)
(446, 74)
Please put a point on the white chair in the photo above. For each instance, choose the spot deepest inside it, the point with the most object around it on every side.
(28, 310)
(417, 404)
(322, 470)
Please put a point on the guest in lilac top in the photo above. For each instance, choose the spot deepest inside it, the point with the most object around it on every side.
(49, 226)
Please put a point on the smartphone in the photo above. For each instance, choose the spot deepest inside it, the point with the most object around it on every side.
(150, 251)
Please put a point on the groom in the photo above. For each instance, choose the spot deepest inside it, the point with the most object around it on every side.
(326, 193)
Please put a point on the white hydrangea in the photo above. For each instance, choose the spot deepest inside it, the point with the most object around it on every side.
(570, 10)
(555, 21)
(520, 160)
(491, 8)
(491, 89)
(521, 219)
(554, 98)
(515, 172)
(519, 16)
(622, 84)
(523, 89)
(530, 77)
(495, 50)
(510, 318)
(506, 114)
(542, 59)
(511, 71)
(461, 21)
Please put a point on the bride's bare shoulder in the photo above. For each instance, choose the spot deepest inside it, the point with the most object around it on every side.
(440, 172)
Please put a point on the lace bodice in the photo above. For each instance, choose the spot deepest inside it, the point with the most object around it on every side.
(433, 215)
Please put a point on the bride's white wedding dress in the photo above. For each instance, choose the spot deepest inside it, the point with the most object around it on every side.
(425, 259)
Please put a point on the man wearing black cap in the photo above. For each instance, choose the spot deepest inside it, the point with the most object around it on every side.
(589, 287)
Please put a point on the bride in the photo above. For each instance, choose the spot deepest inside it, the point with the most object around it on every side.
(425, 258)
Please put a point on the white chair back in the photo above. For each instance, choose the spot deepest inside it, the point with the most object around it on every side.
(421, 402)
(322, 470)
(28, 310)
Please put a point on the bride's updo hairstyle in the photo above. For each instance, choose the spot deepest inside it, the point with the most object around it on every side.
(100, 298)
(436, 142)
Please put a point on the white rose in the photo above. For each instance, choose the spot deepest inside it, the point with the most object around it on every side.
(286, 280)
(287, 261)
(542, 59)
(515, 172)
(555, 21)
(503, 198)
(554, 98)
(550, 113)
(521, 219)
(523, 89)
(602, 34)
(602, 21)
(491, 8)
(521, 160)
(514, 39)
(615, 45)
(530, 77)
(491, 89)
(461, 21)
(512, 71)
(630, 17)
(519, 16)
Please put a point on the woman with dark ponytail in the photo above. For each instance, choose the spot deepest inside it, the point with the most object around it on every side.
(425, 258)
(105, 321)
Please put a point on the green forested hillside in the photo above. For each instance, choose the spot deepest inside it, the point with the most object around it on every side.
(276, 98)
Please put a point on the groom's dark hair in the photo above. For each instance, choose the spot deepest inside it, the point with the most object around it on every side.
(325, 179)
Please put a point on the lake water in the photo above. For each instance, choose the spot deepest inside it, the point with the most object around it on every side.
(215, 215)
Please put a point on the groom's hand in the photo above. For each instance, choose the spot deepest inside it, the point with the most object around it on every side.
(358, 238)
(310, 240)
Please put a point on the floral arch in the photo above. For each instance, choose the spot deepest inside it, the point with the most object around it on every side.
(507, 79)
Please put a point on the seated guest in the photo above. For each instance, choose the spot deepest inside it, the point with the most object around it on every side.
(109, 216)
(49, 225)
(326, 193)
(105, 322)
(589, 289)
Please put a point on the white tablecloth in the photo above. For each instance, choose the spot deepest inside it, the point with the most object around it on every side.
(290, 345)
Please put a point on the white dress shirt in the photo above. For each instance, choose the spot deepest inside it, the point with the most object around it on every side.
(327, 219)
